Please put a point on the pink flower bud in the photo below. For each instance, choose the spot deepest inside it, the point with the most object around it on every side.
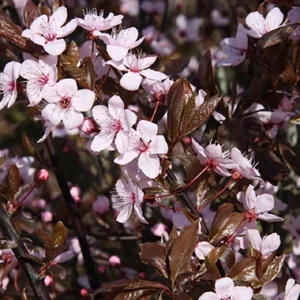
(101, 205)
(88, 126)
(41, 203)
(114, 261)
(159, 229)
(75, 193)
(47, 216)
(41, 176)
(48, 280)
(101, 269)
(84, 293)
(142, 275)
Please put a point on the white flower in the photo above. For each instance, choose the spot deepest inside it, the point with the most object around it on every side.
(225, 290)
(66, 102)
(265, 246)
(8, 84)
(40, 75)
(136, 67)
(128, 196)
(118, 44)
(235, 48)
(95, 23)
(259, 25)
(115, 123)
(146, 145)
(258, 206)
(48, 31)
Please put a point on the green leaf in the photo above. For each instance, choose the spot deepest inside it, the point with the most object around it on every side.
(181, 251)
(13, 178)
(178, 95)
(153, 254)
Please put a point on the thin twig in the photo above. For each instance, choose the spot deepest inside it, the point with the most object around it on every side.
(75, 216)
(31, 271)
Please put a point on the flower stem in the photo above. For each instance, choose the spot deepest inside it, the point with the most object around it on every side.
(155, 111)
(74, 215)
(31, 271)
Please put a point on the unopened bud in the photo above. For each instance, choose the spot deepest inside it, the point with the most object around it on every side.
(84, 293)
(114, 261)
(88, 126)
(41, 176)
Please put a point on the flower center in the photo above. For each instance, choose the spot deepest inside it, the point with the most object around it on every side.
(50, 37)
(183, 33)
(133, 197)
(251, 215)
(227, 298)
(159, 97)
(117, 125)
(43, 79)
(134, 69)
(65, 102)
(143, 146)
(11, 86)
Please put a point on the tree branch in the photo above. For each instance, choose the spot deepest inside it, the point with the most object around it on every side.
(8, 230)
(74, 215)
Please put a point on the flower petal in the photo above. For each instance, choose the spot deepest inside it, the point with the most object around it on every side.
(122, 141)
(36, 38)
(149, 164)
(209, 296)
(224, 287)
(139, 213)
(256, 22)
(158, 145)
(117, 52)
(154, 75)
(30, 70)
(131, 81)
(242, 292)
(126, 157)
(56, 47)
(274, 19)
(147, 130)
(67, 29)
(101, 141)
(115, 107)
(66, 87)
(83, 100)
(265, 203)
(72, 119)
(124, 214)
(60, 16)
(51, 114)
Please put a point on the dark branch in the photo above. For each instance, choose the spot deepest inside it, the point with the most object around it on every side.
(29, 267)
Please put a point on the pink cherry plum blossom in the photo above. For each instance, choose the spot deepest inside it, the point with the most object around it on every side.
(259, 25)
(214, 158)
(94, 23)
(49, 31)
(128, 196)
(266, 245)
(145, 145)
(8, 84)
(136, 67)
(115, 122)
(40, 75)
(292, 291)
(235, 48)
(258, 206)
(119, 43)
(226, 290)
(66, 103)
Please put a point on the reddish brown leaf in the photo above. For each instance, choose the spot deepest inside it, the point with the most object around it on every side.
(244, 270)
(31, 12)
(176, 66)
(154, 255)
(28, 144)
(182, 250)
(13, 178)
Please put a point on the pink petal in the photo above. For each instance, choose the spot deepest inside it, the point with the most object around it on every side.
(242, 292)
(254, 238)
(202, 249)
(5, 99)
(124, 214)
(213, 151)
(251, 199)
(241, 40)
(265, 203)
(158, 145)
(149, 164)
(100, 114)
(257, 23)
(128, 36)
(122, 141)
(30, 70)
(60, 16)
(115, 107)
(102, 141)
(56, 47)
(233, 60)
(147, 62)
(11, 99)
(106, 38)
(83, 100)
(34, 93)
(229, 47)
(72, 119)
(270, 218)
(67, 29)
(126, 157)
(139, 213)
(224, 287)
(131, 118)
(222, 171)
(117, 64)
(47, 61)
(131, 81)
(209, 296)
(274, 19)
(147, 130)
(117, 52)
(154, 75)
(270, 244)
(36, 25)
(66, 87)
(50, 94)
(49, 113)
